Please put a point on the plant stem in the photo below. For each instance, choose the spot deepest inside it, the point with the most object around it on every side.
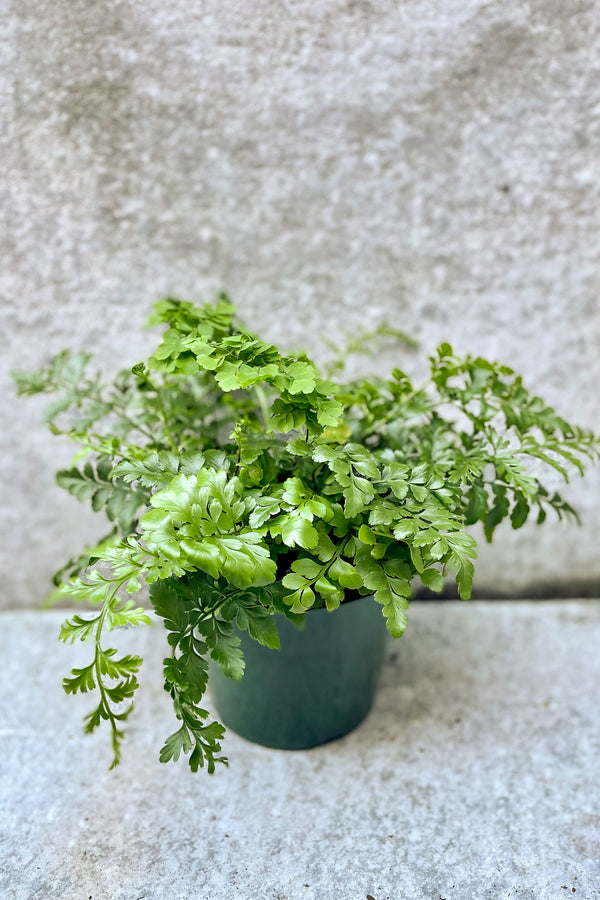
(97, 653)
(264, 406)
(163, 415)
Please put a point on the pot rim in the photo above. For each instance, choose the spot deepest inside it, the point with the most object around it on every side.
(323, 609)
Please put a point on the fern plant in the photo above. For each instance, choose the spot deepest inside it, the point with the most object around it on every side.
(239, 482)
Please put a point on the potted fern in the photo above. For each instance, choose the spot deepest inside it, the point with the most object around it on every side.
(255, 496)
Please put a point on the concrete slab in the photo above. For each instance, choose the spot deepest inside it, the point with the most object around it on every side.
(475, 776)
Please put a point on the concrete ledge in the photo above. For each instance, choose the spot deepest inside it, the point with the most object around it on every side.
(475, 776)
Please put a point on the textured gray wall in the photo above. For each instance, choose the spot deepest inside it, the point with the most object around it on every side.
(329, 164)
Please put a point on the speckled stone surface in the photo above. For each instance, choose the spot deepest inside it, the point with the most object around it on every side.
(475, 776)
(330, 164)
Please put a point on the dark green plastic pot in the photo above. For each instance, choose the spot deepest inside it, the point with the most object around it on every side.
(318, 686)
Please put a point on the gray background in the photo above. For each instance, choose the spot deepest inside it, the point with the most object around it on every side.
(330, 165)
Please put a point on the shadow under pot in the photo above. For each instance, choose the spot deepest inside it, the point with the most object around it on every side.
(317, 687)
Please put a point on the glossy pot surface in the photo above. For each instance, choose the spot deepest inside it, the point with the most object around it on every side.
(318, 686)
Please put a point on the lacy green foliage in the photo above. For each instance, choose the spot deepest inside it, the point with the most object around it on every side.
(99, 485)
(115, 678)
(241, 483)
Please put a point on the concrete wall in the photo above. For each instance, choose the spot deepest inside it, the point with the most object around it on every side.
(328, 164)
